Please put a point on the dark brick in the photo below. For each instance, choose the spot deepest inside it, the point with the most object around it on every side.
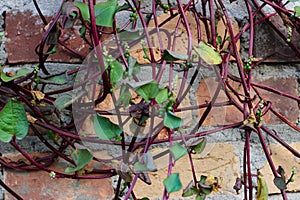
(268, 44)
(23, 34)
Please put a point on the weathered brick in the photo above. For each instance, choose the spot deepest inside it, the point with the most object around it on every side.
(24, 32)
(281, 104)
(230, 114)
(218, 160)
(270, 46)
(281, 156)
(38, 185)
(218, 115)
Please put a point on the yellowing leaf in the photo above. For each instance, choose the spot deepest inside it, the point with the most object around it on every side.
(251, 120)
(262, 189)
(37, 95)
(208, 54)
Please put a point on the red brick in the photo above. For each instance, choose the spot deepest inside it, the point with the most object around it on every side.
(38, 185)
(23, 34)
(268, 44)
(230, 114)
(281, 104)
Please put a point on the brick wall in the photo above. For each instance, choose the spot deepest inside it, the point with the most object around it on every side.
(223, 156)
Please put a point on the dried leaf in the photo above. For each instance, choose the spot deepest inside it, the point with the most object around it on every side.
(37, 95)
(251, 120)
(30, 118)
(10, 74)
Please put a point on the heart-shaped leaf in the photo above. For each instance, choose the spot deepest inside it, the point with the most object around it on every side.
(172, 121)
(13, 121)
(21, 72)
(124, 97)
(105, 129)
(173, 183)
(280, 183)
(129, 35)
(178, 151)
(133, 67)
(125, 6)
(199, 146)
(208, 54)
(162, 95)
(104, 12)
(116, 71)
(146, 164)
(63, 101)
(147, 90)
(139, 167)
(59, 79)
(81, 157)
(84, 10)
(171, 56)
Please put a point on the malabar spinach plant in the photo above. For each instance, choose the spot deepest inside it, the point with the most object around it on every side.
(151, 108)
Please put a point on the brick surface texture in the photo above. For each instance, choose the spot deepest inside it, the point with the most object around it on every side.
(230, 114)
(24, 33)
(38, 185)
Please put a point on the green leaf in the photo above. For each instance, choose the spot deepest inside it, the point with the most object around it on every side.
(63, 101)
(148, 161)
(208, 54)
(173, 183)
(178, 151)
(104, 13)
(262, 189)
(84, 10)
(173, 56)
(105, 129)
(13, 121)
(52, 51)
(199, 147)
(20, 73)
(139, 167)
(124, 97)
(200, 197)
(280, 183)
(147, 90)
(116, 71)
(297, 11)
(82, 31)
(190, 190)
(133, 67)
(129, 35)
(171, 120)
(59, 79)
(125, 6)
(293, 0)
(162, 95)
(206, 189)
(81, 157)
(202, 179)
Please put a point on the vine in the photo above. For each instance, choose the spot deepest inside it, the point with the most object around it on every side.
(148, 107)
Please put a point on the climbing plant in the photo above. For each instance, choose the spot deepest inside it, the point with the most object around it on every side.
(145, 71)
